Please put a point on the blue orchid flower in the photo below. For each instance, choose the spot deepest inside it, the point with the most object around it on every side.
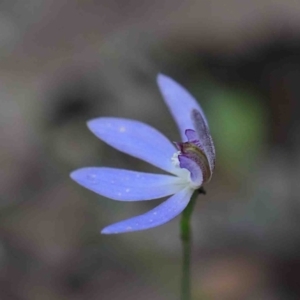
(191, 162)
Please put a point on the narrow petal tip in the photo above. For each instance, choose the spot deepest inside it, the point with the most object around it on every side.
(93, 123)
(74, 175)
(163, 79)
(107, 231)
(161, 76)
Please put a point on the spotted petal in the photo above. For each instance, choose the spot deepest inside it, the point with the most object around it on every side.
(125, 185)
(180, 102)
(155, 217)
(137, 139)
(205, 139)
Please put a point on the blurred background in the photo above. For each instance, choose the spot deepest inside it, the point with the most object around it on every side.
(63, 62)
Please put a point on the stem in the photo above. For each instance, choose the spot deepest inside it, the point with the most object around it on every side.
(185, 233)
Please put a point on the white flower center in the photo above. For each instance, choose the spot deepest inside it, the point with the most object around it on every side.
(175, 160)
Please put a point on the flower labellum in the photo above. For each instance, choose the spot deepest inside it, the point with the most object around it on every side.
(190, 163)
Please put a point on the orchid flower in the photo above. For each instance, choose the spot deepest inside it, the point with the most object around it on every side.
(190, 163)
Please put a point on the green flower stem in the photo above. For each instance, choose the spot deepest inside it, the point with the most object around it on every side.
(185, 232)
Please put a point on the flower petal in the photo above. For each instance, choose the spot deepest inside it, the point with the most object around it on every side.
(155, 217)
(194, 169)
(125, 185)
(180, 102)
(136, 139)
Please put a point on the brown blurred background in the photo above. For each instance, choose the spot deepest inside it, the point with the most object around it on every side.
(63, 62)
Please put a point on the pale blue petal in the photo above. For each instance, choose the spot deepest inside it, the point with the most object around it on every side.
(136, 139)
(125, 185)
(180, 102)
(155, 217)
